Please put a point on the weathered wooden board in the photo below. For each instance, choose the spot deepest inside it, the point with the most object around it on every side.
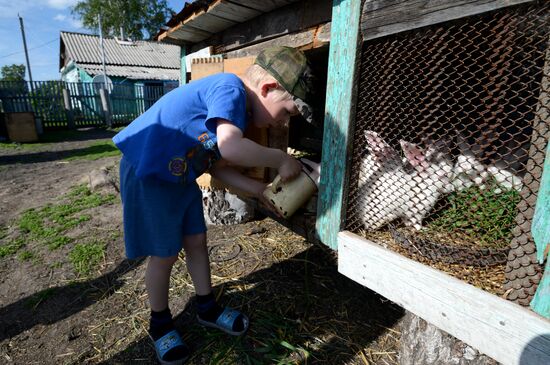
(201, 67)
(231, 11)
(208, 22)
(305, 40)
(183, 65)
(187, 33)
(265, 5)
(296, 17)
(498, 328)
(540, 230)
(238, 66)
(383, 17)
(339, 111)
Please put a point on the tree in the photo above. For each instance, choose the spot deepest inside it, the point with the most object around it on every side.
(13, 73)
(138, 19)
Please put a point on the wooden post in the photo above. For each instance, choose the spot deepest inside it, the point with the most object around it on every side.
(183, 67)
(339, 113)
(106, 107)
(540, 227)
(68, 108)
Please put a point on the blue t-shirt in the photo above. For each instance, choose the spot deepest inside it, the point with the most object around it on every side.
(175, 140)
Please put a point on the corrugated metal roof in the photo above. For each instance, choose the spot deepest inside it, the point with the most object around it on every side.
(203, 18)
(133, 72)
(85, 48)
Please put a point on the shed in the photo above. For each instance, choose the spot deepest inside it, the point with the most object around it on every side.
(131, 62)
(139, 73)
(435, 126)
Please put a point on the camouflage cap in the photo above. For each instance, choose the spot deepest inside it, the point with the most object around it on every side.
(290, 68)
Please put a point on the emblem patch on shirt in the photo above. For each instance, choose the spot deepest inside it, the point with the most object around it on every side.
(177, 166)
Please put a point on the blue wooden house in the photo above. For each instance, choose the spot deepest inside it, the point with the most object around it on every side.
(138, 74)
(126, 62)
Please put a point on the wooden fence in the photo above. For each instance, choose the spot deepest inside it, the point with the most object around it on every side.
(62, 105)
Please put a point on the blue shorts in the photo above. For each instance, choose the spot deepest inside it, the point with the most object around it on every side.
(157, 214)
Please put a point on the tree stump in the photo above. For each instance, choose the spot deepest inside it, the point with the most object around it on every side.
(222, 208)
(423, 343)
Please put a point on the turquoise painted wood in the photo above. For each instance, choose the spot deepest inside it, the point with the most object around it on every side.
(343, 51)
(540, 229)
(183, 67)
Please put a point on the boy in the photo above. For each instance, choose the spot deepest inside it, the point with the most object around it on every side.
(192, 129)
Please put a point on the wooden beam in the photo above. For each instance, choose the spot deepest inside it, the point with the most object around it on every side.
(284, 20)
(496, 327)
(208, 22)
(188, 33)
(339, 113)
(316, 37)
(183, 65)
(384, 17)
(265, 5)
(232, 11)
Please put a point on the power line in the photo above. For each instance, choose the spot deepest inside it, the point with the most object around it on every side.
(30, 49)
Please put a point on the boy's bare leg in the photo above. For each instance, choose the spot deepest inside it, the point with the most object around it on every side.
(198, 264)
(157, 281)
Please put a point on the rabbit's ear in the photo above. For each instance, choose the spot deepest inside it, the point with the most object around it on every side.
(378, 147)
(415, 155)
(374, 141)
(438, 150)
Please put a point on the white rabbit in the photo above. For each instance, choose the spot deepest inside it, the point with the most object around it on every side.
(468, 170)
(430, 179)
(380, 176)
(505, 178)
(389, 191)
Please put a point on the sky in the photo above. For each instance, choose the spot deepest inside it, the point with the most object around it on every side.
(43, 20)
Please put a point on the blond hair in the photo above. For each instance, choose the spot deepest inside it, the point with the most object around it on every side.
(256, 75)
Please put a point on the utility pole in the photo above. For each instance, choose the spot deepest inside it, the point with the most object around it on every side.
(25, 46)
(102, 51)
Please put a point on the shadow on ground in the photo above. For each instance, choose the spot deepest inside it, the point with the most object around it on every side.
(301, 303)
(57, 303)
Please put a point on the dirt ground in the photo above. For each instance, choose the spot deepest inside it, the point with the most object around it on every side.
(302, 310)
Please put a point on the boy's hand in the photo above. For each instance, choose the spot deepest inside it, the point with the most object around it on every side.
(258, 193)
(289, 168)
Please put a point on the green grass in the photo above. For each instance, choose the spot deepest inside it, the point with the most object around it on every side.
(48, 225)
(26, 256)
(11, 247)
(14, 146)
(274, 337)
(86, 256)
(50, 137)
(44, 140)
(484, 215)
(95, 152)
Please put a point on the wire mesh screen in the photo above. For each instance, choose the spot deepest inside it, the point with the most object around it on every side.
(450, 133)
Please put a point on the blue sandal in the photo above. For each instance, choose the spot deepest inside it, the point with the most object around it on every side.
(166, 343)
(226, 320)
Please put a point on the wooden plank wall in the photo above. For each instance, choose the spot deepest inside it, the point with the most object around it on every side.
(383, 17)
(339, 112)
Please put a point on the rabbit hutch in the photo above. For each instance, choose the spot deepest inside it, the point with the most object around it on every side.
(433, 123)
